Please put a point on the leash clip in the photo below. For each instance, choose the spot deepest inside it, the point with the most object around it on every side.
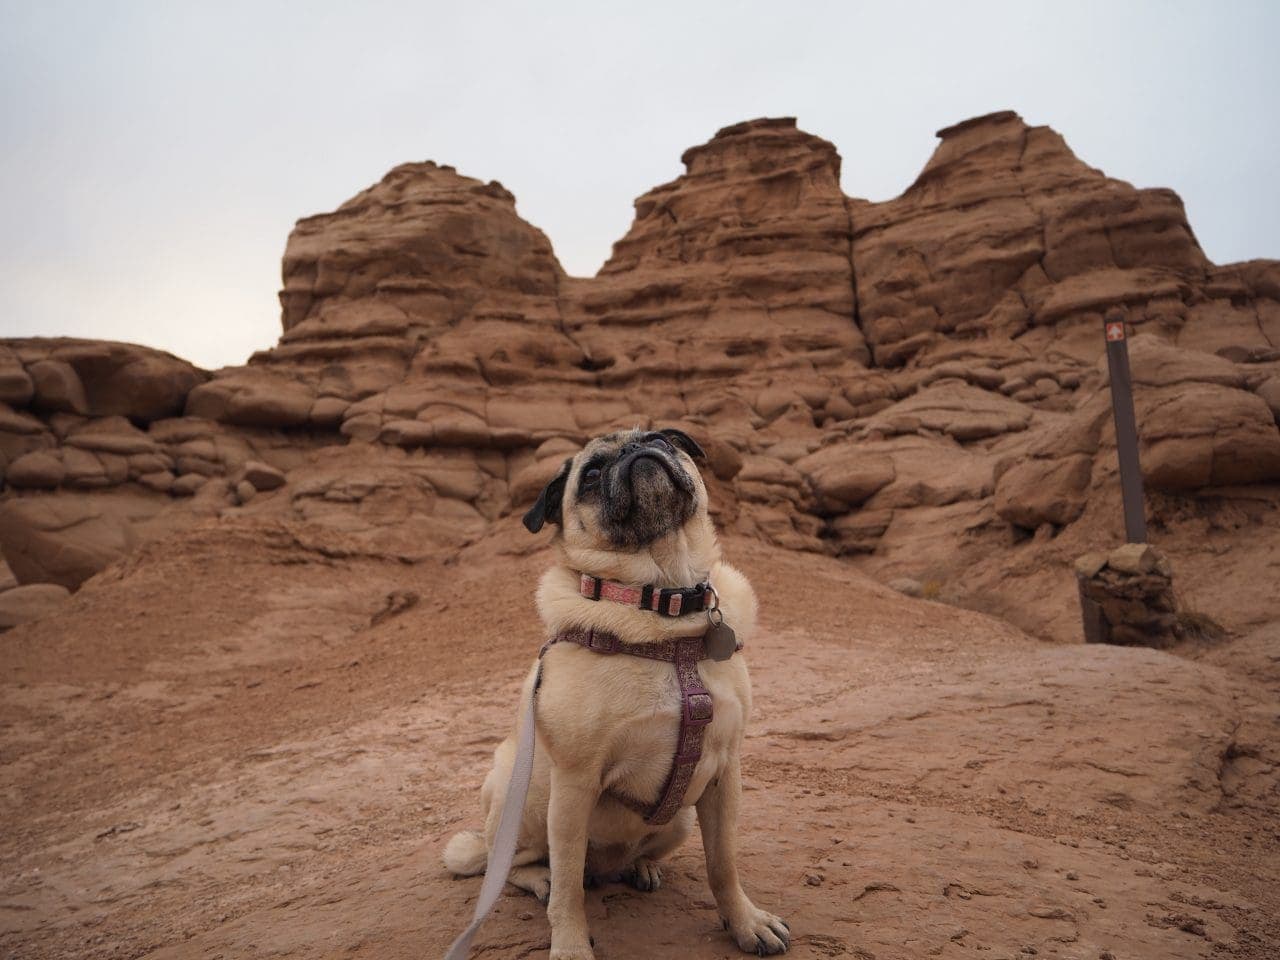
(714, 607)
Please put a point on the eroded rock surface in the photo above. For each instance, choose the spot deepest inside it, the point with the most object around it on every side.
(913, 385)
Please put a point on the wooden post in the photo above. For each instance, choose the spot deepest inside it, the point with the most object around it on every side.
(1135, 519)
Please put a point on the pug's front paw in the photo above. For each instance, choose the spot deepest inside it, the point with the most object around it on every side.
(759, 932)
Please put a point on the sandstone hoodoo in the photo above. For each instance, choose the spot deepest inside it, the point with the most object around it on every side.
(913, 385)
(909, 393)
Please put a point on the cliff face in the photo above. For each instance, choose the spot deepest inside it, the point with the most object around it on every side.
(913, 385)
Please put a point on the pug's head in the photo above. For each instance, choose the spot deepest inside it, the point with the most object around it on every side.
(624, 491)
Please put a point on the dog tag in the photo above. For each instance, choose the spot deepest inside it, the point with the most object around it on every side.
(721, 641)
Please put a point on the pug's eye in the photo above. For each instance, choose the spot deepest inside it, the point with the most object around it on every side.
(662, 442)
(591, 477)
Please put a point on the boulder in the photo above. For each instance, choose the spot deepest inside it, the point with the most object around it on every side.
(127, 380)
(41, 469)
(19, 422)
(262, 476)
(30, 602)
(114, 434)
(16, 386)
(57, 388)
(959, 410)
(1039, 491)
(1269, 391)
(843, 476)
(252, 397)
(66, 538)
(187, 484)
(930, 472)
(1203, 434)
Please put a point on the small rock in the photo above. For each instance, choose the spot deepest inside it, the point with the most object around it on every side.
(161, 481)
(396, 603)
(813, 880)
(1089, 564)
(187, 484)
(1133, 558)
(905, 585)
(1048, 912)
(245, 491)
(263, 476)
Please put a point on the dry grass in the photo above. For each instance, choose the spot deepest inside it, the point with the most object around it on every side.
(1197, 625)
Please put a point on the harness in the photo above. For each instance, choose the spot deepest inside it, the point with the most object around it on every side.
(696, 707)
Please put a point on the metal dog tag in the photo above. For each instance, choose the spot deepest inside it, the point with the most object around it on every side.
(721, 642)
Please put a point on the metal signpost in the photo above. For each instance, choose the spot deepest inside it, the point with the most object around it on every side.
(1135, 517)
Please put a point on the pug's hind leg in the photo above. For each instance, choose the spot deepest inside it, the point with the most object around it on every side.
(535, 879)
(645, 874)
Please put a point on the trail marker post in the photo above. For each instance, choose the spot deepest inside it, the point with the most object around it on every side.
(1096, 627)
(1135, 518)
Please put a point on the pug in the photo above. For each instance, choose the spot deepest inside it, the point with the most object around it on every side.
(633, 529)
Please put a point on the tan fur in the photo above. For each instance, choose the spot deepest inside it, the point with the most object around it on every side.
(609, 723)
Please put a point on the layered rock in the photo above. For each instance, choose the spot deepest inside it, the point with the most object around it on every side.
(914, 384)
(94, 448)
(1006, 232)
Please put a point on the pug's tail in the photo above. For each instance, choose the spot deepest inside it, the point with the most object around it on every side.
(465, 854)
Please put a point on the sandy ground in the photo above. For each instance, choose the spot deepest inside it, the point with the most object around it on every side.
(238, 744)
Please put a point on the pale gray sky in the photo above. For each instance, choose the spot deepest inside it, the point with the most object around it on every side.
(153, 156)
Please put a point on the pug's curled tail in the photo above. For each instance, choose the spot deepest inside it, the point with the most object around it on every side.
(465, 854)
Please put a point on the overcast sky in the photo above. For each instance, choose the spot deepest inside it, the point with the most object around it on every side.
(154, 156)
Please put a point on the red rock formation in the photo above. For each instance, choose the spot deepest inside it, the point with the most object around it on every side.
(910, 384)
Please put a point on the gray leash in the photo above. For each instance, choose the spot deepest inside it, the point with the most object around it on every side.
(503, 851)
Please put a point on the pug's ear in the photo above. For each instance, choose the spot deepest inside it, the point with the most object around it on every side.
(546, 509)
(685, 442)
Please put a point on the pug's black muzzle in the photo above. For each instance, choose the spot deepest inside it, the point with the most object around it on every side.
(646, 493)
(627, 464)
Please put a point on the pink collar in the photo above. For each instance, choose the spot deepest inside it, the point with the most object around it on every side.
(664, 601)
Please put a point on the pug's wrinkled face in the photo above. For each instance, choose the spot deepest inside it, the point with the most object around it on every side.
(624, 490)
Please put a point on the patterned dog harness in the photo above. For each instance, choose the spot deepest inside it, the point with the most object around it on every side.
(696, 708)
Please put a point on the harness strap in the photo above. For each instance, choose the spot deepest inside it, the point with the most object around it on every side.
(696, 710)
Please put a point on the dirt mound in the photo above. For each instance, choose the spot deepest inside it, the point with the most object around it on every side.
(272, 763)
